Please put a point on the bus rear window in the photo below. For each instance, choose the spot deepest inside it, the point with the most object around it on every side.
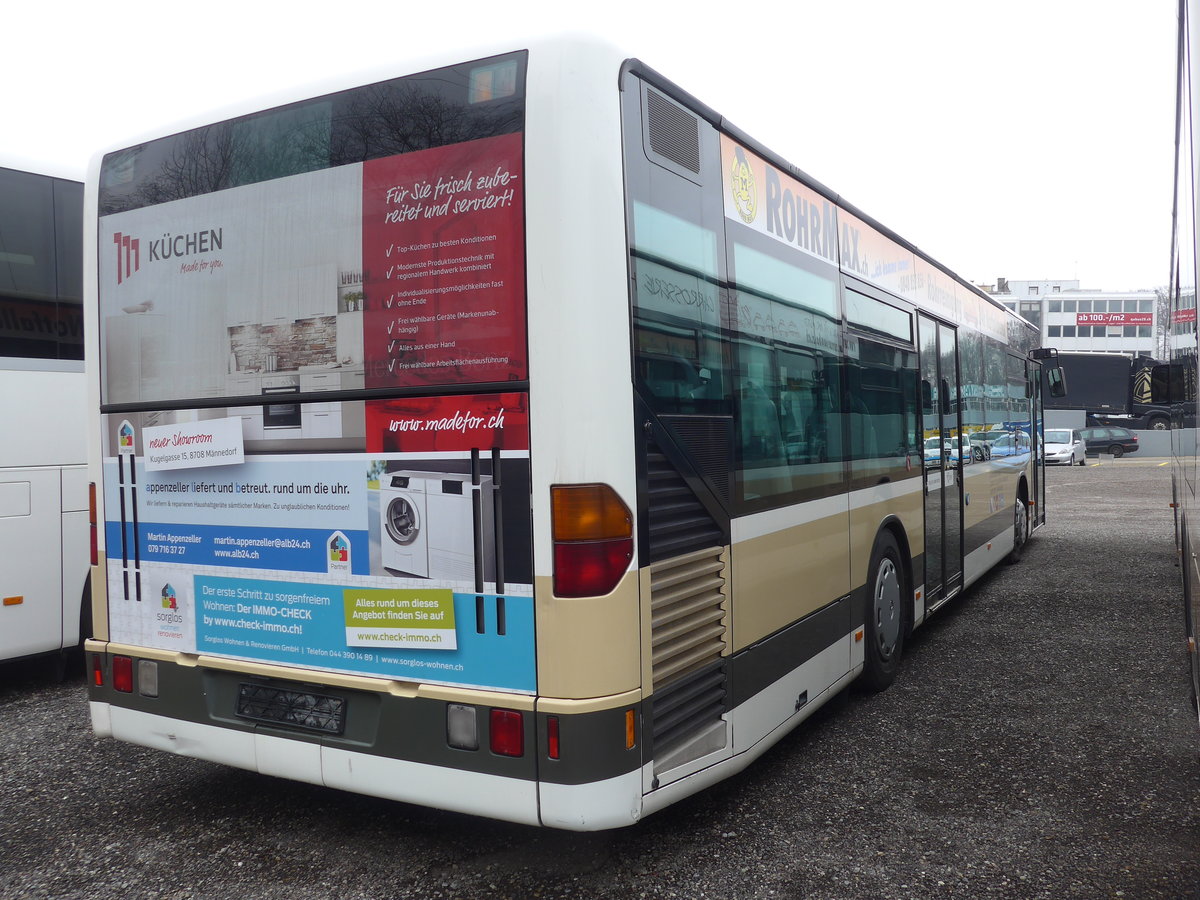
(432, 109)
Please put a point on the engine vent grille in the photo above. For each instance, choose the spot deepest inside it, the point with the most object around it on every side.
(708, 441)
(687, 614)
(686, 713)
(677, 521)
(673, 132)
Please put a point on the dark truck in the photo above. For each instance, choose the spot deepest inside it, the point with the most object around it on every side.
(1112, 389)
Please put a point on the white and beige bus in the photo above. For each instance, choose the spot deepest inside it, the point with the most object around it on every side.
(511, 434)
(44, 610)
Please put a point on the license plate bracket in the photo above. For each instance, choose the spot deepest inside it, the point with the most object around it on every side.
(295, 708)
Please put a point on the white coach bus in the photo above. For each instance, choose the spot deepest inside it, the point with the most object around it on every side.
(43, 474)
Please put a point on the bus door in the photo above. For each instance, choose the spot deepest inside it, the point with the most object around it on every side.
(945, 456)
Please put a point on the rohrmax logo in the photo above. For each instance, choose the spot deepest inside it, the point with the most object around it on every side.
(742, 187)
(338, 556)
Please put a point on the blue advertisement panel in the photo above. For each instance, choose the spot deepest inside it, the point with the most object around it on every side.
(412, 565)
(307, 624)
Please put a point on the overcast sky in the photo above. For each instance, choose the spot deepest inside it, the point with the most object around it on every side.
(1028, 139)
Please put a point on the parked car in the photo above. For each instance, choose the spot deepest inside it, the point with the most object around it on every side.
(981, 447)
(1013, 443)
(936, 448)
(1109, 439)
(988, 437)
(1064, 447)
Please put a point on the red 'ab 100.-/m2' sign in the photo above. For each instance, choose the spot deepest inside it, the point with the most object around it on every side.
(443, 246)
(1114, 319)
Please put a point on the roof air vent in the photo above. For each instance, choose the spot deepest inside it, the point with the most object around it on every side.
(672, 132)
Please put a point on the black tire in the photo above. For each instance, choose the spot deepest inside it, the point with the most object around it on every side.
(886, 615)
(1083, 460)
(1159, 423)
(1020, 530)
(1117, 451)
(77, 662)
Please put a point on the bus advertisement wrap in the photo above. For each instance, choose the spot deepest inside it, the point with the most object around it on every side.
(384, 563)
(252, 279)
(443, 249)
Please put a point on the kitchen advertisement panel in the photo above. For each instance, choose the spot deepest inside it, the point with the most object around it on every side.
(411, 560)
(253, 279)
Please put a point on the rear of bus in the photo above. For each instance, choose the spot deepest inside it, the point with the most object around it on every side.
(364, 441)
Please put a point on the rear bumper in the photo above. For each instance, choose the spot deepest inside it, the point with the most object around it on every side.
(394, 743)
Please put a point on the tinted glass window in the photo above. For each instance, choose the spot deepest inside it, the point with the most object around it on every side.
(434, 109)
(787, 380)
(882, 412)
(41, 266)
(872, 315)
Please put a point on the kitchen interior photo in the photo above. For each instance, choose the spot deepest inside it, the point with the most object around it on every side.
(304, 337)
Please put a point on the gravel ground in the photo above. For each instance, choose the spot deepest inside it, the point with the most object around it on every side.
(1039, 744)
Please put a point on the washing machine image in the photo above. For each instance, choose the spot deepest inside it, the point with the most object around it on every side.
(428, 526)
(450, 528)
(402, 544)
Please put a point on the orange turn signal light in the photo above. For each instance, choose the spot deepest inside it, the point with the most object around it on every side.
(588, 512)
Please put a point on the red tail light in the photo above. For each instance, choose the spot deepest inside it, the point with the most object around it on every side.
(123, 674)
(593, 539)
(552, 737)
(97, 670)
(507, 732)
(590, 570)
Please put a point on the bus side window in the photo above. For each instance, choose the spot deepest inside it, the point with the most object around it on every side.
(758, 415)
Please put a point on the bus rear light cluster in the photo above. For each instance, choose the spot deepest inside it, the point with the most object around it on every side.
(462, 728)
(506, 729)
(147, 680)
(592, 530)
(122, 674)
(507, 732)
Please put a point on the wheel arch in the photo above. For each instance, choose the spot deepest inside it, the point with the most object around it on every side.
(892, 525)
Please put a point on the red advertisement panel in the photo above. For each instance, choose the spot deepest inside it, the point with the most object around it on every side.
(453, 424)
(444, 256)
(1114, 319)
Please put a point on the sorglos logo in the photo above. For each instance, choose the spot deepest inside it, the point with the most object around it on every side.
(125, 442)
(169, 598)
(339, 554)
(742, 187)
(129, 255)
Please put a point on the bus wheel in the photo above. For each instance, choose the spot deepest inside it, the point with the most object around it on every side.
(1020, 529)
(1158, 423)
(885, 615)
